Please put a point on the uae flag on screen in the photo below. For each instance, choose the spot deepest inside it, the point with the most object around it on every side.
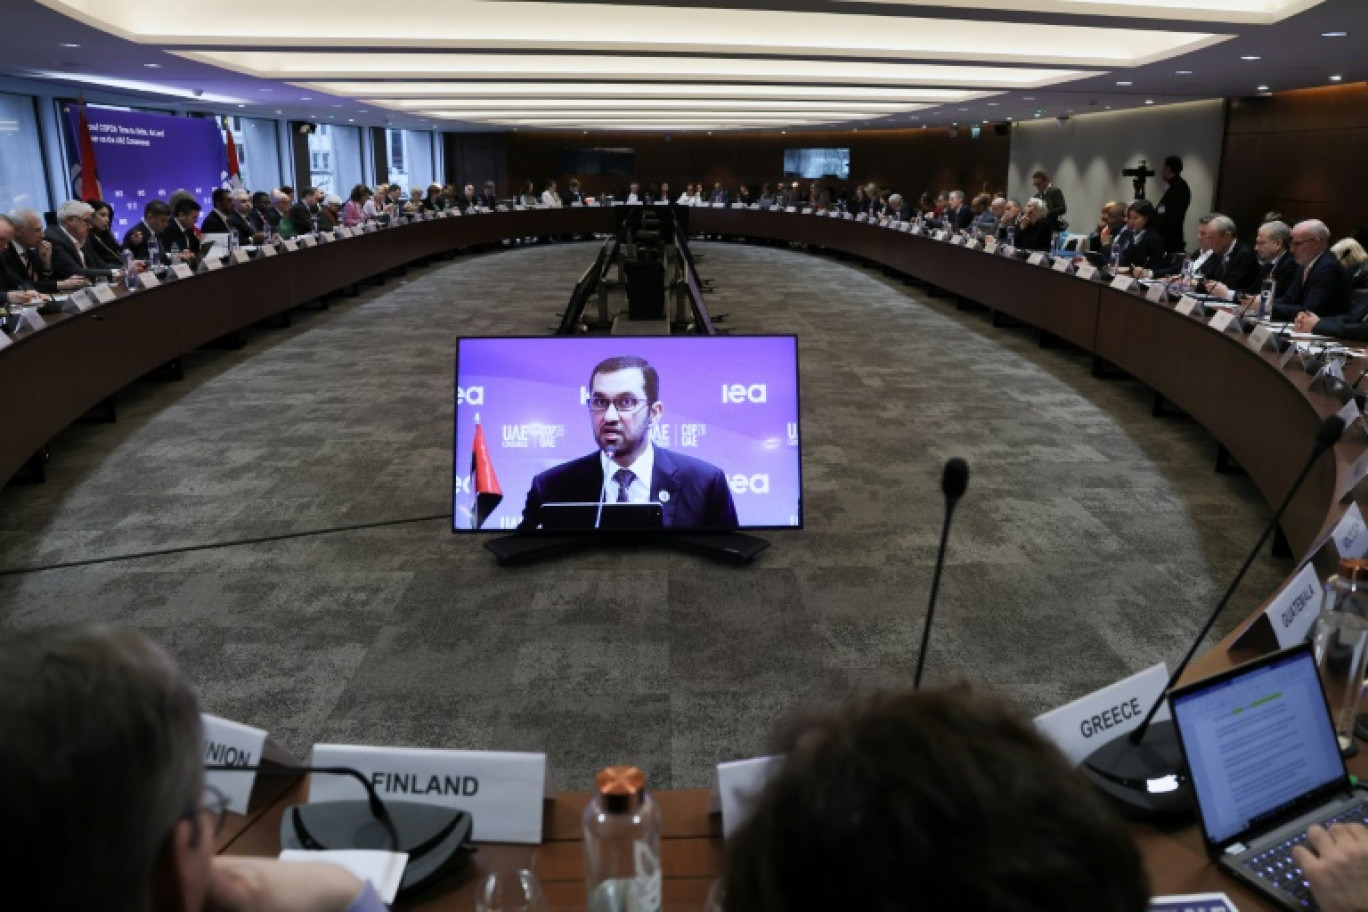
(488, 494)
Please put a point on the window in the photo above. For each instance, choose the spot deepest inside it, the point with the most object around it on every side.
(23, 180)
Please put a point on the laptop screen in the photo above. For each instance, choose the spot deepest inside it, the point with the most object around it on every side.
(1258, 740)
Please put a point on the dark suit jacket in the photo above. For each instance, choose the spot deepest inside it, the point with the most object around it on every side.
(572, 196)
(179, 237)
(1145, 252)
(103, 248)
(302, 217)
(1035, 236)
(1055, 207)
(697, 495)
(1239, 271)
(1351, 325)
(1173, 207)
(959, 219)
(1325, 292)
(1284, 270)
(140, 249)
(217, 223)
(19, 274)
(66, 263)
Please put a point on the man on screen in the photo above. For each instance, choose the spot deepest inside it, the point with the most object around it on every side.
(624, 404)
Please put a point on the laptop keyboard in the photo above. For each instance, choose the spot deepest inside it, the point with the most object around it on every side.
(1275, 867)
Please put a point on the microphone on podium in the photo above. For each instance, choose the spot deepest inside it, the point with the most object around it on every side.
(1142, 772)
(611, 451)
(954, 480)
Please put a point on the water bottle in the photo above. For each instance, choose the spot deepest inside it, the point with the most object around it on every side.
(1054, 244)
(1341, 643)
(232, 242)
(622, 844)
(154, 253)
(1268, 289)
(130, 271)
(1114, 256)
(313, 224)
(1011, 236)
(174, 253)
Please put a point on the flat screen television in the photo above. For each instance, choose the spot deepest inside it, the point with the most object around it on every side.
(817, 163)
(537, 420)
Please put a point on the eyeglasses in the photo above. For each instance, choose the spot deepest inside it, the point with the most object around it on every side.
(625, 405)
(214, 803)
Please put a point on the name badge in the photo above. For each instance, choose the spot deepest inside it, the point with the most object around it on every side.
(502, 791)
(1081, 727)
(1221, 320)
(1123, 283)
(1156, 293)
(1087, 271)
(149, 279)
(182, 271)
(241, 256)
(103, 293)
(1187, 304)
(1348, 535)
(1295, 608)
(737, 786)
(1036, 258)
(290, 245)
(1061, 265)
(228, 743)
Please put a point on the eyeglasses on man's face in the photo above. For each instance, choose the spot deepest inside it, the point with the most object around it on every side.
(214, 803)
(625, 405)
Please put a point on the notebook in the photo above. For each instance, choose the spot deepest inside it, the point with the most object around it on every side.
(1265, 764)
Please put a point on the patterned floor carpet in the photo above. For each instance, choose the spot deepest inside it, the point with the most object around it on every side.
(1091, 542)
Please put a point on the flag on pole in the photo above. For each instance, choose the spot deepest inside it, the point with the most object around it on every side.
(488, 494)
(90, 175)
(234, 169)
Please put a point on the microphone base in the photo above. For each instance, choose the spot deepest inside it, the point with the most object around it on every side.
(1146, 782)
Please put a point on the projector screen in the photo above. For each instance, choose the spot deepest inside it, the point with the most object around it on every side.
(815, 163)
(722, 428)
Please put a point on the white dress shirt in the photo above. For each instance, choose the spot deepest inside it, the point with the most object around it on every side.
(639, 491)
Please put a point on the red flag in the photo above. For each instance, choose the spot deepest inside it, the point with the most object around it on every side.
(488, 494)
(90, 175)
(234, 170)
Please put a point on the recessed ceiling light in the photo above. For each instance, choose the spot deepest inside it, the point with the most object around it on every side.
(1149, 101)
(337, 106)
(1182, 72)
(68, 44)
(964, 109)
(265, 90)
(242, 106)
(992, 104)
(1251, 57)
(1334, 34)
(1263, 88)
(306, 98)
(1028, 98)
(351, 120)
(1124, 82)
(1336, 78)
(152, 66)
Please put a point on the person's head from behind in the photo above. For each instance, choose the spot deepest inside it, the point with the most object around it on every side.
(102, 770)
(929, 801)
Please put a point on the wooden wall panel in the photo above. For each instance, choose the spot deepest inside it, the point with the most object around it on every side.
(1299, 153)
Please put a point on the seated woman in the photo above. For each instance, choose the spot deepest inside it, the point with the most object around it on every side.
(1035, 231)
(1354, 259)
(1142, 249)
(101, 248)
(353, 213)
(984, 222)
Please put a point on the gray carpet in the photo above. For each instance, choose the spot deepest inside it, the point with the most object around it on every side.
(1092, 540)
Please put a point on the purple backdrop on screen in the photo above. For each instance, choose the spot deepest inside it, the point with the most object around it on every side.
(729, 400)
(142, 157)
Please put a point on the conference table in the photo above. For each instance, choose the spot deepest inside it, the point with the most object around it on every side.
(1263, 414)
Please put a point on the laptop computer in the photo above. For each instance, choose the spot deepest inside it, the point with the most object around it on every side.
(1265, 765)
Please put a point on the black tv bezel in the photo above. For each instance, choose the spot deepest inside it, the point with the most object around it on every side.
(456, 452)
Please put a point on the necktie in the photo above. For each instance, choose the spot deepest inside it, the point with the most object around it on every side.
(623, 477)
(29, 267)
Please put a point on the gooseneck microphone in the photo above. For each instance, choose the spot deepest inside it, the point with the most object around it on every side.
(1142, 772)
(954, 480)
(610, 451)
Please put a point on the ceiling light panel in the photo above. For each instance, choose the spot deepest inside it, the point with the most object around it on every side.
(330, 65)
(1255, 12)
(499, 105)
(643, 90)
(603, 27)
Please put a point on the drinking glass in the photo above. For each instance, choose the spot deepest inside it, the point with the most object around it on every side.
(510, 891)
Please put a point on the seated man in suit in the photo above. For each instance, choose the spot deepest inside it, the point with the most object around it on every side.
(225, 219)
(1319, 285)
(931, 799)
(957, 215)
(1351, 325)
(304, 214)
(108, 807)
(1109, 227)
(179, 240)
(28, 257)
(897, 209)
(1272, 247)
(1229, 261)
(144, 238)
(624, 404)
(1034, 231)
(12, 288)
(573, 194)
(69, 238)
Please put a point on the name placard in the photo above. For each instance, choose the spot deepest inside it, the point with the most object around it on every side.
(1295, 608)
(182, 271)
(240, 256)
(1187, 304)
(1036, 258)
(501, 790)
(1061, 265)
(958, 240)
(267, 250)
(1259, 337)
(307, 240)
(103, 293)
(77, 302)
(1087, 271)
(904, 227)
(1009, 250)
(1221, 320)
(5, 341)
(942, 235)
(229, 743)
(990, 245)
(290, 245)
(862, 217)
(790, 208)
(209, 264)
(737, 786)
(1081, 727)
(1123, 283)
(1356, 473)
(31, 320)
(149, 279)
(807, 210)
(1348, 535)
(1350, 413)
(1157, 293)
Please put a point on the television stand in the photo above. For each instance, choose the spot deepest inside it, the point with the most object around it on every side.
(731, 546)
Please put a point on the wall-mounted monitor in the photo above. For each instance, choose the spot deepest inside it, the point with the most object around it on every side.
(707, 427)
(817, 163)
